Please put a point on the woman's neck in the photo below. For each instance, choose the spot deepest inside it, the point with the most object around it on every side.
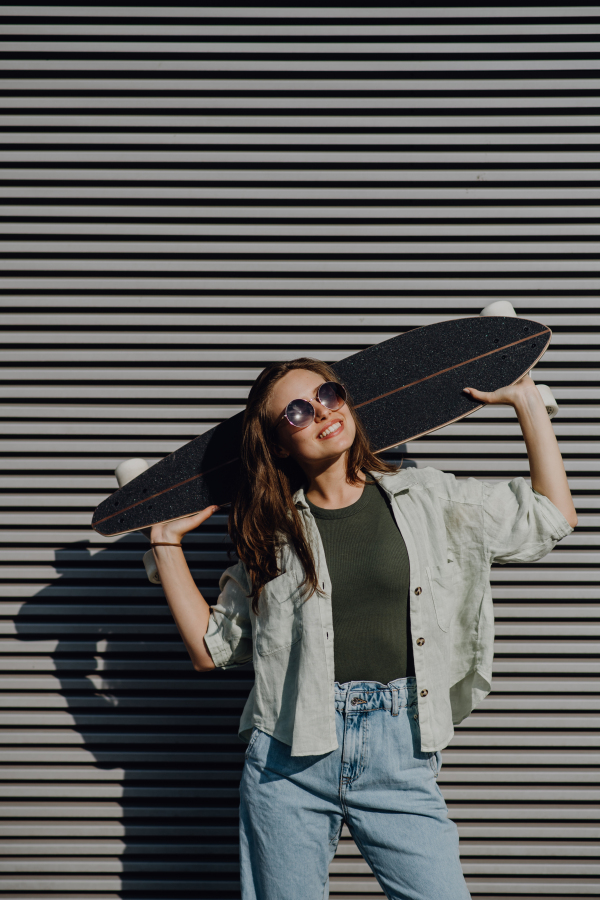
(329, 489)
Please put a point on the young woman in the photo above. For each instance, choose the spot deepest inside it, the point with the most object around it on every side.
(362, 595)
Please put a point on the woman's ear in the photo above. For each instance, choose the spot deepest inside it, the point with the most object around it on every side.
(280, 451)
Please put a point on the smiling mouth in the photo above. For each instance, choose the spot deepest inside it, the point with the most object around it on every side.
(330, 431)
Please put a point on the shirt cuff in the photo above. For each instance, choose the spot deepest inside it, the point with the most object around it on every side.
(557, 522)
(218, 648)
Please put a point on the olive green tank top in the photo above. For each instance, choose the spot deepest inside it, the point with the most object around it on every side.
(369, 570)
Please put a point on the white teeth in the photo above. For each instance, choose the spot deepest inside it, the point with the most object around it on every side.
(331, 429)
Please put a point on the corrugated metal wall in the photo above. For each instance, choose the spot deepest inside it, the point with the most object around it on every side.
(188, 193)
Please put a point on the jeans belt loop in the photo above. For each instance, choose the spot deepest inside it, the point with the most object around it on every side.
(395, 700)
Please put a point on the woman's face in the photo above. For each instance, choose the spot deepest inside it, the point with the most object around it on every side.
(329, 436)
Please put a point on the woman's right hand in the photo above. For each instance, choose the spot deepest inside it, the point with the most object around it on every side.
(173, 532)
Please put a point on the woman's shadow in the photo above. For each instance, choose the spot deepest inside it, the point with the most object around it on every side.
(140, 755)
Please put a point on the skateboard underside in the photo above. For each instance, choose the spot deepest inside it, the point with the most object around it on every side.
(402, 389)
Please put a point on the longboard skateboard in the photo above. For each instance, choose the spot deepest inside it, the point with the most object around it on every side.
(402, 389)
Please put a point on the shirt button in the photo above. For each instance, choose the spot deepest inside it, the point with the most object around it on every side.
(420, 642)
(418, 591)
(424, 693)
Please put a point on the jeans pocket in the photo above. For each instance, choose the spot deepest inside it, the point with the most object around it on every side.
(251, 742)
(435, 761)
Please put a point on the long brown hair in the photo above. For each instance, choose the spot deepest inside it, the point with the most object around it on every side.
(264, 516)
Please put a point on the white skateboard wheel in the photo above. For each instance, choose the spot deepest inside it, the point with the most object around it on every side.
(499, 308)
(150, 567)
(130, 469)
(548, 398)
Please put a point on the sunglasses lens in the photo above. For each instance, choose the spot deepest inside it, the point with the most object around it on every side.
(300, 413)
(332, 395)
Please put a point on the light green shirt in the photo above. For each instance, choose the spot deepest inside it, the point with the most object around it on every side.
(454, 530)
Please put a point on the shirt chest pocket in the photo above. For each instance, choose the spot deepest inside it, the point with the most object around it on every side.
(279, 621)
(443, 590)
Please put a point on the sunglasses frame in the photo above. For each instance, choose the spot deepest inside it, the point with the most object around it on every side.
(284, 414)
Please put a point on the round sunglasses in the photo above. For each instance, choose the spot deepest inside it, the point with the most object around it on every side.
(301, 413)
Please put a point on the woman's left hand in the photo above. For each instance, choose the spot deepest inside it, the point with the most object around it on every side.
(512, 394)
(547, 470)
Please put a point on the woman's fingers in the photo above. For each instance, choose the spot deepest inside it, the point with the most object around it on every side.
(176, 529)
(482, 396)
(188, 523)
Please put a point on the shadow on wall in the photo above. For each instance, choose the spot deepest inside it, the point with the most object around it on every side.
(137, 761)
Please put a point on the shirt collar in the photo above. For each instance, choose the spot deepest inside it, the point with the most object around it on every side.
(387, 483)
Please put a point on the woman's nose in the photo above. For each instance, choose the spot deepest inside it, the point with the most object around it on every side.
(321, 412)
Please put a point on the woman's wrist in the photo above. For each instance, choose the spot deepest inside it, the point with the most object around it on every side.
(161, 534)
(528, 399)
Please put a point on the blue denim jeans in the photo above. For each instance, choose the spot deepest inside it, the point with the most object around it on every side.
(378, 782)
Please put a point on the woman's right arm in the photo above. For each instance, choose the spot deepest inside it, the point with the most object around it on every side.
(189, 608)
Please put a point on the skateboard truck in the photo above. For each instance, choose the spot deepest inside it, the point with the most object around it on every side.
(505, 308)
(124, 473)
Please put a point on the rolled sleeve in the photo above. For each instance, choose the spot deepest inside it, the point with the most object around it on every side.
(229, 634)
(520, 525)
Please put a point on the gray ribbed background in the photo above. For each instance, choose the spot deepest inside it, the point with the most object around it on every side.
(187, 194)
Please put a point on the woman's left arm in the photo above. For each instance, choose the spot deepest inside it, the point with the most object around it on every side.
(548, 476)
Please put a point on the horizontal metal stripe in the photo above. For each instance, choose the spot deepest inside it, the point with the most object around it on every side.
(99, 682)
(302, 268)
(320, 193)
(300, 12)
(330, 48)
(533, 102)
(148, 701)
(188, 791)
(325, 85)
(140, 31)
(303, 138)
(517, 867)
(291, 64)
(299, 212)
(284, 229)
(359, 194)
(523, 253)
(294, 65)
(491, 47)
(293, 283)
(294, 157)
(536, 305)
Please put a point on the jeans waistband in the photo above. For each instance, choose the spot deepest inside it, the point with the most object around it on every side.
(363, 696)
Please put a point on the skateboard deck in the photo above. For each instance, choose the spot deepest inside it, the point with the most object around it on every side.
(402, 389)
